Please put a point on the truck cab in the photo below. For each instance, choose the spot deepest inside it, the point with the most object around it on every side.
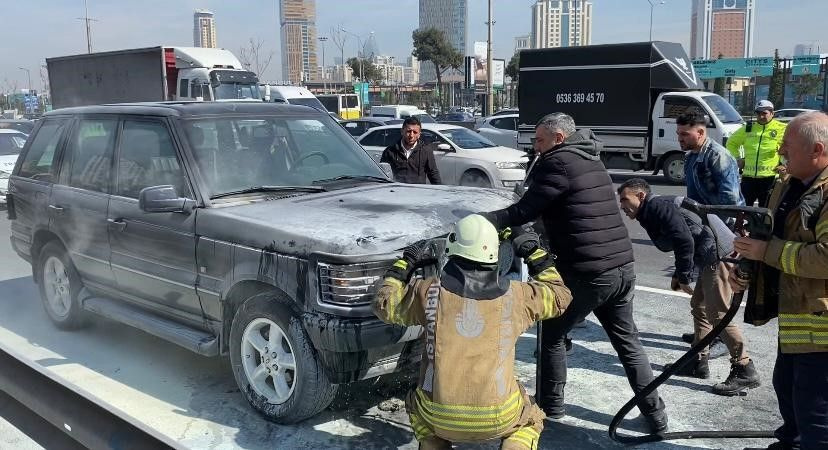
(209, 74)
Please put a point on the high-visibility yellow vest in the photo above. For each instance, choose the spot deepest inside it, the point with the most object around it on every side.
(760, 147)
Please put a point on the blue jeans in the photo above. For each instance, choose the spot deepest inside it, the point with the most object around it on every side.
(609, 295)
(801, 385)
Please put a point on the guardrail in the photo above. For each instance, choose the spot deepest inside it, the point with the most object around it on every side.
(73, 411)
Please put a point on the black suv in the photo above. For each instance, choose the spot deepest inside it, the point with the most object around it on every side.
(256, 230)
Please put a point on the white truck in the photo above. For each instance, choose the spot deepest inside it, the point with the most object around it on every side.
(628, 94)
(150, 75)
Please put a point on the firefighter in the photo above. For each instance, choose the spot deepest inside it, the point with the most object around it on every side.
(472, 319)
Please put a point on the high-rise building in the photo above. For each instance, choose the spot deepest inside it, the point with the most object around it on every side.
(204, 29)
(523, 43)
(371, 48)
(449, 16)
(722, 27)
(561, 23)
(297, 19)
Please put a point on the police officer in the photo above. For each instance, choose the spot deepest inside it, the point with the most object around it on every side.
(759, 161)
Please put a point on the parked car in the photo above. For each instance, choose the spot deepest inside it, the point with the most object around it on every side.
(502, 129)
(461, 116)
(25, 126)
(507, 111)
(788, 114)
(254, 230)
(358, 127)
(11, 143)
(464, 157)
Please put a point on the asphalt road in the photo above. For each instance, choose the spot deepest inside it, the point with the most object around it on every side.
(194, 400)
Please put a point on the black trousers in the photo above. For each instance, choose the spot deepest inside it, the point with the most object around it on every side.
(609, 295)
(757, 189)
(801, 385)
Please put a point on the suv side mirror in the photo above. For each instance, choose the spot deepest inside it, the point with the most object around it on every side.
(155, 199)
(444, 147)
(386, 168)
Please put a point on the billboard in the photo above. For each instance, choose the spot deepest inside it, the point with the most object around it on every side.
(734, 67)
(481, 70)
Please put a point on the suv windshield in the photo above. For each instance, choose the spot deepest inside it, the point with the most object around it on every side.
(722, 109)
(237, 153)
(464, 138)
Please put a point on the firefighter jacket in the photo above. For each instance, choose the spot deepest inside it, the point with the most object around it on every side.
(472, 320)
(760, 143)
(801, 258)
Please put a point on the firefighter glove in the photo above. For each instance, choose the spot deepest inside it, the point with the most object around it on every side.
(524, 242)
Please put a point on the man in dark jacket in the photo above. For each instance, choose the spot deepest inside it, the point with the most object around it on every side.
(570, 190)
(676, 229)
(411, 160)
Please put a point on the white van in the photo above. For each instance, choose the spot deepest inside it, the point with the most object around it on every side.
(401, 112)
(294, 95)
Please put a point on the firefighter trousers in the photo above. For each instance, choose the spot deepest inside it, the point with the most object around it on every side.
(524, 433)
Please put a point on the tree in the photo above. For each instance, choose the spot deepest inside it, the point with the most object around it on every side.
(513, 68)
(253, 59)
(431, 44)
(808, 85)
(370, 72)
(776, 90)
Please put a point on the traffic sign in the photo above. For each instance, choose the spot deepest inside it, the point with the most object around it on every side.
(805, 65)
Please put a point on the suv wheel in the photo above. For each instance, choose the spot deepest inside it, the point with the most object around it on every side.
(60, 285)
(475, 178)
(274, 363)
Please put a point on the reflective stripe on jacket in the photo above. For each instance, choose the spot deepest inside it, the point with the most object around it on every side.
(802, 259)
(760, 146)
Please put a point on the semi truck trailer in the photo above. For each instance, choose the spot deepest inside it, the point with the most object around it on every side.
(149, 75)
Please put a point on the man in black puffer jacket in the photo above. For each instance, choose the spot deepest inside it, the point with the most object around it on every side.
(570, 190)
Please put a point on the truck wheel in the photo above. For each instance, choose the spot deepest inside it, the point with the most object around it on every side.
(673, 168)
(60, 285)
(274, 363)
(475, 178)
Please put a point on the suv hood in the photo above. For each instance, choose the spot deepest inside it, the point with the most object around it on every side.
(374, 219)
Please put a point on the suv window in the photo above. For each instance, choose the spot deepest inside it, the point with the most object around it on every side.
(429, 137)
(676, 106)
(376, 139)
(37, 164)
(148, 158)
(89, 154)
(355, 128)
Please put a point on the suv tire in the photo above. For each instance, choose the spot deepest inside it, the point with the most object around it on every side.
(274, 363)
(60, 286)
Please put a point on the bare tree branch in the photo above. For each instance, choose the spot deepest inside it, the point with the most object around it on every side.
(339, 39)
(253, 59)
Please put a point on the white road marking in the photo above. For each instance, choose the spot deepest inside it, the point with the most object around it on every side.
(662, 291)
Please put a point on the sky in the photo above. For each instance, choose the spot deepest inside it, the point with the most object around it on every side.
(48, 28)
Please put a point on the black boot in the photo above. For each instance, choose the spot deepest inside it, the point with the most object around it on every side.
(741, 378)
(553, 405)
(657, 422)
(698, 369)
(688, 337)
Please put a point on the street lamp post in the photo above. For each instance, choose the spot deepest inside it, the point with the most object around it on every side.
(489, 68)
(29, 76)
(323, 39)
(652, 6)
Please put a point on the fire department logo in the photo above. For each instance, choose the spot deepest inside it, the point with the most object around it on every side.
(469, 322)
(773, 133)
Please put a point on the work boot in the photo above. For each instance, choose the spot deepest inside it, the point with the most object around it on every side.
(741, 378)
(698, 369)
(657, 422)
(688, 337)
(553, 405)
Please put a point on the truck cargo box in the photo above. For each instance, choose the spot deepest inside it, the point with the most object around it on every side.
(107, 77)
(602, 86)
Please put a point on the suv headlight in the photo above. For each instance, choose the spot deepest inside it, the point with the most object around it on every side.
(511, 165)
(350, 284)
